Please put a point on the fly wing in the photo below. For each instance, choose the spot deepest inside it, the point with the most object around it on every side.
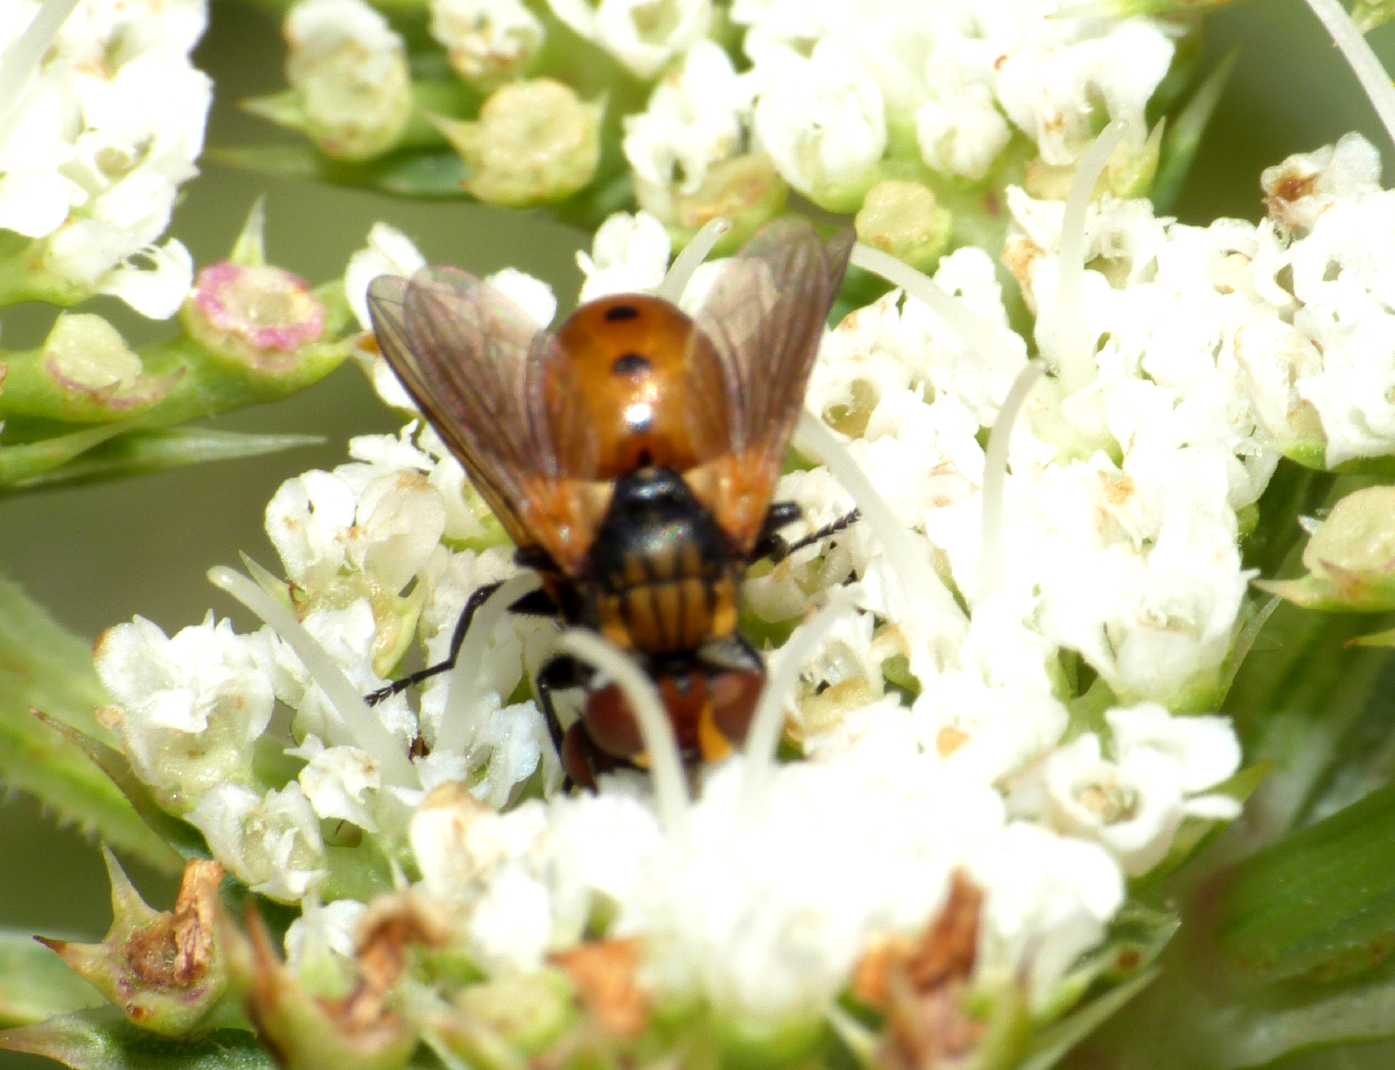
(765, 316)
(473, 362)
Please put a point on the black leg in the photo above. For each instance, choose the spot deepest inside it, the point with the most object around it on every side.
(457, 640)
(557, 673)
(744, 645)
(777, 549)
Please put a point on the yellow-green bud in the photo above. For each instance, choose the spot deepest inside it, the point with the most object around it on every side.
(1350, 558)
(88, 361)
(905, 220)
(1369, 14)
(534, 142)
(746, 191)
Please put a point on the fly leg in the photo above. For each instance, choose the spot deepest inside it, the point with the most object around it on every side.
(777, 548)
(557, 674)
(534, 603)
(770, 543)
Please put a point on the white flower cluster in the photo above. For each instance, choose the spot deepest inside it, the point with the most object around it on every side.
(101, 119)
(833, 90)
(1099, 544)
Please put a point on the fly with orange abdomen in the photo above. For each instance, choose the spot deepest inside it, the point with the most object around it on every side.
(632, 456)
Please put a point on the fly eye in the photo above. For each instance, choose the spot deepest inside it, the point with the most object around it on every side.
(620, 313)
(631, 364)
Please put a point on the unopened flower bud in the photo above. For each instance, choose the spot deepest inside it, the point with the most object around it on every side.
(1350, 558)
(349, 78)
(164, 970)
(534, 142)
(86, 372)
(746, 191)
(1369, 14)
(905, 220)
(488, 41)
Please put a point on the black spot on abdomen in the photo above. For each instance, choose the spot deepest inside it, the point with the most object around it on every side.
(631, 364)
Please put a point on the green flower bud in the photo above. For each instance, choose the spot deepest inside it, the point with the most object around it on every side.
(83, 373)
(1350, 558)
(534, 142)
(165, 971)
(1368, 14)
(746, 191)
(905, 220)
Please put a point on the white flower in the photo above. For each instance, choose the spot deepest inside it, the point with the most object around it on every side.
(697, 116)
(487, 40)
(340, 783)
(1306, 184)
(1133, 802)
(383, 526)
(389, 252)
(642, 34)
(96, 142)
(960, 130)
(1343, 291)
(308, 519)
(190, 706)
(628, 254)
(399, 522)
(271, 842)
(822, 120)
(1137, 568)
(1046, 83)
(455, 837)
(1048, 899)
(320, 944)
(532, 295)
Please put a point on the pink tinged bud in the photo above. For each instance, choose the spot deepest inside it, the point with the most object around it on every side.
(257, 314)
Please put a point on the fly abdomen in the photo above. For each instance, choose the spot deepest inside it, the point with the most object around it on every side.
(663, 577)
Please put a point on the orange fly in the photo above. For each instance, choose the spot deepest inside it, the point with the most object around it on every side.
(632, 456)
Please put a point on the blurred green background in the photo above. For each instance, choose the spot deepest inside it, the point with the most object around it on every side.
(96, 556)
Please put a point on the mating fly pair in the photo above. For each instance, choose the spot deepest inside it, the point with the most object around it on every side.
(632, 457)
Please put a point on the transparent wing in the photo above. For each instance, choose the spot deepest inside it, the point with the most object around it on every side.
(472, 360)
(765, 316)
